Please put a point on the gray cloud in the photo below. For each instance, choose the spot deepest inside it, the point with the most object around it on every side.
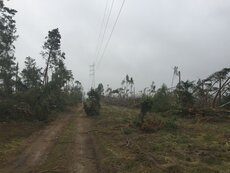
(151, 37)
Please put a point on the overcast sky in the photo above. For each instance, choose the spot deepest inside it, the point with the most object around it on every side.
(150, 38)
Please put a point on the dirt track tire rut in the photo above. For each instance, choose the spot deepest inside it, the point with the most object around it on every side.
(81, 153)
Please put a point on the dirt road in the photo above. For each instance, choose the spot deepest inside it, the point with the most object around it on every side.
(85, 160)
(79, 150)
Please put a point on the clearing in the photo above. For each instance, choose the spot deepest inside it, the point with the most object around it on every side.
(167, 143)
(111, 143)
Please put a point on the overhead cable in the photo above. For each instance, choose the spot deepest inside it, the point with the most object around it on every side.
(103, 36)
(110, 36)
(101, 28)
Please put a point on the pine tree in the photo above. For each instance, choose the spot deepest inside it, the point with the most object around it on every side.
(7, 58)
(52, 52)
(31, 74)
(61, 75)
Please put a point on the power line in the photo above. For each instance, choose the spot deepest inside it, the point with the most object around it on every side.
(106, 26)
(101, 28)
(100, 41)
(110, 36)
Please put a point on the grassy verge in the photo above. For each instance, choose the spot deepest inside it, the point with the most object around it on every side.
(166, 144)
(15, 136)
(12, 137)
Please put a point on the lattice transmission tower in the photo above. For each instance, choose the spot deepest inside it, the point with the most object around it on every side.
(92, 75)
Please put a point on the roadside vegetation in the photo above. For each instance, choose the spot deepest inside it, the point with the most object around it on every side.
(30, 97)
(14, 137)
(165, 143)
(170, 130)
(34, 92)
(92, 104)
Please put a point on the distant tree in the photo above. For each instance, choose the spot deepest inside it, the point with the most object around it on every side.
(162, 99)
(146, 106)
(184, 91)
(100, 89)
(76, 92)
(213, 90)
(127, 79)
(92, 104)
(7, 38)
(31, 74)
(119, 92)
(220, 81)
(152, 88)
(126, 89)
(61, 75)
(78, 85)
(108, 91)
(200, 93)
(131, 82)
(52, 52)
(127, 85)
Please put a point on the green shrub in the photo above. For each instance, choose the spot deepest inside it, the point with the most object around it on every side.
(184, 92)
(163, 100)
(6, 109)
(146, 106)
(151, 126)
(170, 124)
(92, 104)
(11, 109)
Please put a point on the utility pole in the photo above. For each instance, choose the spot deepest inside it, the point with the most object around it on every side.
(92, 74)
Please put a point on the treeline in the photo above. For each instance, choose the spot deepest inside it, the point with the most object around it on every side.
(207, 97)
(33, 92)
(212, 92)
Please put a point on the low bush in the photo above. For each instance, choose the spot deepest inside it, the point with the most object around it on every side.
(163, 100)
(146, 106)
(154, 124)
(92, 103)
(36, 103)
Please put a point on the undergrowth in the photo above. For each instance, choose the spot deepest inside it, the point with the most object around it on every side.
(166, 143)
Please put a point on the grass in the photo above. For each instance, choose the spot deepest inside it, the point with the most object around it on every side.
(167, 144)
(13, 135)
